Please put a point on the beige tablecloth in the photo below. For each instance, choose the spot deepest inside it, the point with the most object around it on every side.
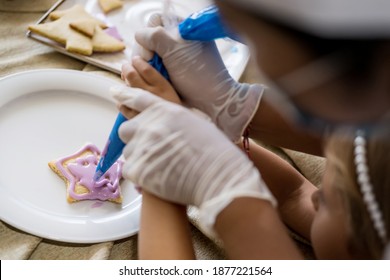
(18, 53)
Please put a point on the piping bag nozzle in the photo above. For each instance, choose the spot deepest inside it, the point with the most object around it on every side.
(112, 151)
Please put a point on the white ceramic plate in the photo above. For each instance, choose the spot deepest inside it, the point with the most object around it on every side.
(45, 115)
(131, 17)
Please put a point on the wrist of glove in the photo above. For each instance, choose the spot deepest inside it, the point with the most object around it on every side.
(238, 109)
(178, 156)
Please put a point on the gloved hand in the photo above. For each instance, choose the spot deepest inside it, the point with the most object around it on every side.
(200, 77)
(180, 157)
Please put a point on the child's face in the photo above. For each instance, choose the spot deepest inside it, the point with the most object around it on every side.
(279, 53)
(329, 231)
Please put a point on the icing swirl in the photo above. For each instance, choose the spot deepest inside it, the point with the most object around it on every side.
(79, 170)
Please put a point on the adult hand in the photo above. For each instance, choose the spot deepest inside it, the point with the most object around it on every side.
(199, 75)
(180, 157)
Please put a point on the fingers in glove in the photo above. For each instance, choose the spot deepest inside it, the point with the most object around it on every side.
(127, 112)
(138, 50)
(149, 37)
(157, 19)
(142, 75)
(155, 82)
(134, 98)
(132, 78)
(147, 72)
(156, 39)
(127, 130)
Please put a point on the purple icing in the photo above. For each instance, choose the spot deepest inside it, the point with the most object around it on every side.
(80, 171)
(111, 29)
(113, 32)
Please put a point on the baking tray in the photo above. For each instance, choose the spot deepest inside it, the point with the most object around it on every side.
(131, 17)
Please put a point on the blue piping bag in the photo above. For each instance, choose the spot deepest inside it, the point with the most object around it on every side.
(114, 146)
(112, 151)
(205, 25)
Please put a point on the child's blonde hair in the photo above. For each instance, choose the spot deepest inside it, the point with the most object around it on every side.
(365, 241)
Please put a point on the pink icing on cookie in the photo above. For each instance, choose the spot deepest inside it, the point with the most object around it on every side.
(111, 29)
(113, 32)
(81, 170)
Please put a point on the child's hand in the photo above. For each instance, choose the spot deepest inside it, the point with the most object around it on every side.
(199, 75)
(168, 154)
(141, 74)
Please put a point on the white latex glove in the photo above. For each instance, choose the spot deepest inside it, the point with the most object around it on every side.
(199, 75)
(180, 157)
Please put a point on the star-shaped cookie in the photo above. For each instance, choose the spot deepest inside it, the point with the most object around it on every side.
(78, 170)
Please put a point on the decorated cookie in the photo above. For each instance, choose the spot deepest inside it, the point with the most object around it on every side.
(78, 169)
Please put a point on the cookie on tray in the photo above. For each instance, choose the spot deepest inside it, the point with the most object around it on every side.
(110, 5)
(78, 31)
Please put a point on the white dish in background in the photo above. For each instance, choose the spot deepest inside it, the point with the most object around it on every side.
(45, 115)
(131, 17)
